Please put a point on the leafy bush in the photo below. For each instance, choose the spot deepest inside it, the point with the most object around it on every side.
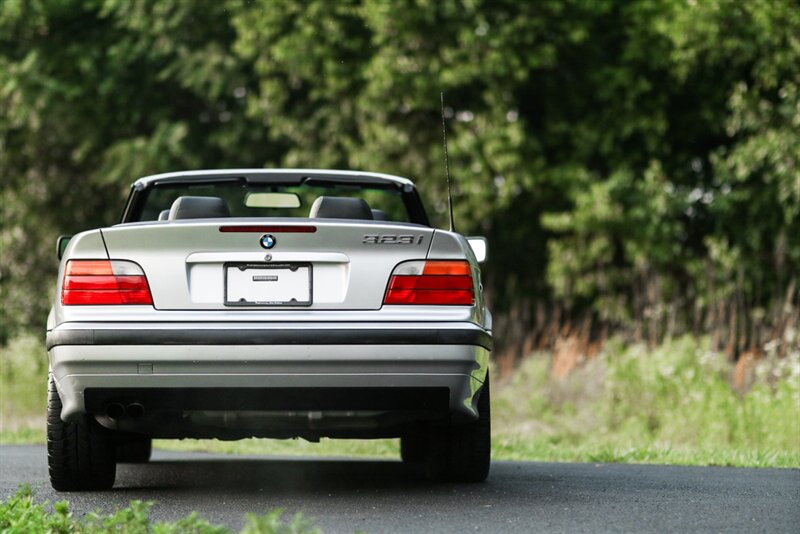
(21, 514)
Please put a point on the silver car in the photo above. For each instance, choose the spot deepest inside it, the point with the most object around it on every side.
(268, 303)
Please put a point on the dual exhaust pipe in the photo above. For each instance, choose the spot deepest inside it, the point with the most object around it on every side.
(117, 410)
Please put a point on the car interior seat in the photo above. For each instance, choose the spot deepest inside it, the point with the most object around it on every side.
(198, 208)
(379, 215)
(340, 208)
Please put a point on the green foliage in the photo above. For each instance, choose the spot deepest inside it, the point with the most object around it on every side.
(273, 522)
(21, 514)
(673, 404)
(373, 448)
(94, 94)
(713, 213)
(23, 379)
(637, 160)
(681, 394)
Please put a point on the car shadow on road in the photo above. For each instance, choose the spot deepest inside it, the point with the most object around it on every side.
(273, 476)
(270, 475)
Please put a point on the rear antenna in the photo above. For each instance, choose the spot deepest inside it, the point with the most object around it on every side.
(447, 167)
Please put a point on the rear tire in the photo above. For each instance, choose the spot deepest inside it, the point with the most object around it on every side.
(413, 448)
(134, 450)
(80, 455)
(462, 453)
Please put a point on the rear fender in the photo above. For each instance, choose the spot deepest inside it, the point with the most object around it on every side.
(454, 246)
(87, 245)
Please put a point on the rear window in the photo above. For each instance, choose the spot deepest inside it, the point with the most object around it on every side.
(271, 200)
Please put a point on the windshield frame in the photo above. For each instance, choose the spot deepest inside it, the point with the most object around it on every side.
(409, 194)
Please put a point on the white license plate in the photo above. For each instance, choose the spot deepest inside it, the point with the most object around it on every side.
(268, 285)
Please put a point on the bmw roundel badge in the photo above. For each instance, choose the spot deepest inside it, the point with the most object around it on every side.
(268, 241)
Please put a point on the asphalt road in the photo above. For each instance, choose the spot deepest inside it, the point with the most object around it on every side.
(384, 496)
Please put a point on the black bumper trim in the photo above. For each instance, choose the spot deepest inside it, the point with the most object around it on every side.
(294, 399)
(273, 336)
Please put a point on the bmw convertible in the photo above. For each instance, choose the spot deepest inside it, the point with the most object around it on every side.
(283, 304)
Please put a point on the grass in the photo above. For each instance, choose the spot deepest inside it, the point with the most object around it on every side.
(21, 513)
(672, 405)
(23, 393)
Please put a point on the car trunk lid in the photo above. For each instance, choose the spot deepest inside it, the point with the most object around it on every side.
(286, 264)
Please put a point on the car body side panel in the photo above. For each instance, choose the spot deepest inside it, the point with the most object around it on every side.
(87, 245)
(450, 245)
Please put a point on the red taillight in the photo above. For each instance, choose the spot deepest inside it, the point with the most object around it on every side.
(431, 282)
(100, 282)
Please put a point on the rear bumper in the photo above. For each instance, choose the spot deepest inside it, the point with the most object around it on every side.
(194, 335)
(250, 367)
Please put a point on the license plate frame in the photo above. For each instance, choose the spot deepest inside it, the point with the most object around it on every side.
(265, 268)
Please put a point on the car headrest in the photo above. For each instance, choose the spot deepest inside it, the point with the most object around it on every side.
(340, 208)
(198, 208)
(379, 215)
(164, 215)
